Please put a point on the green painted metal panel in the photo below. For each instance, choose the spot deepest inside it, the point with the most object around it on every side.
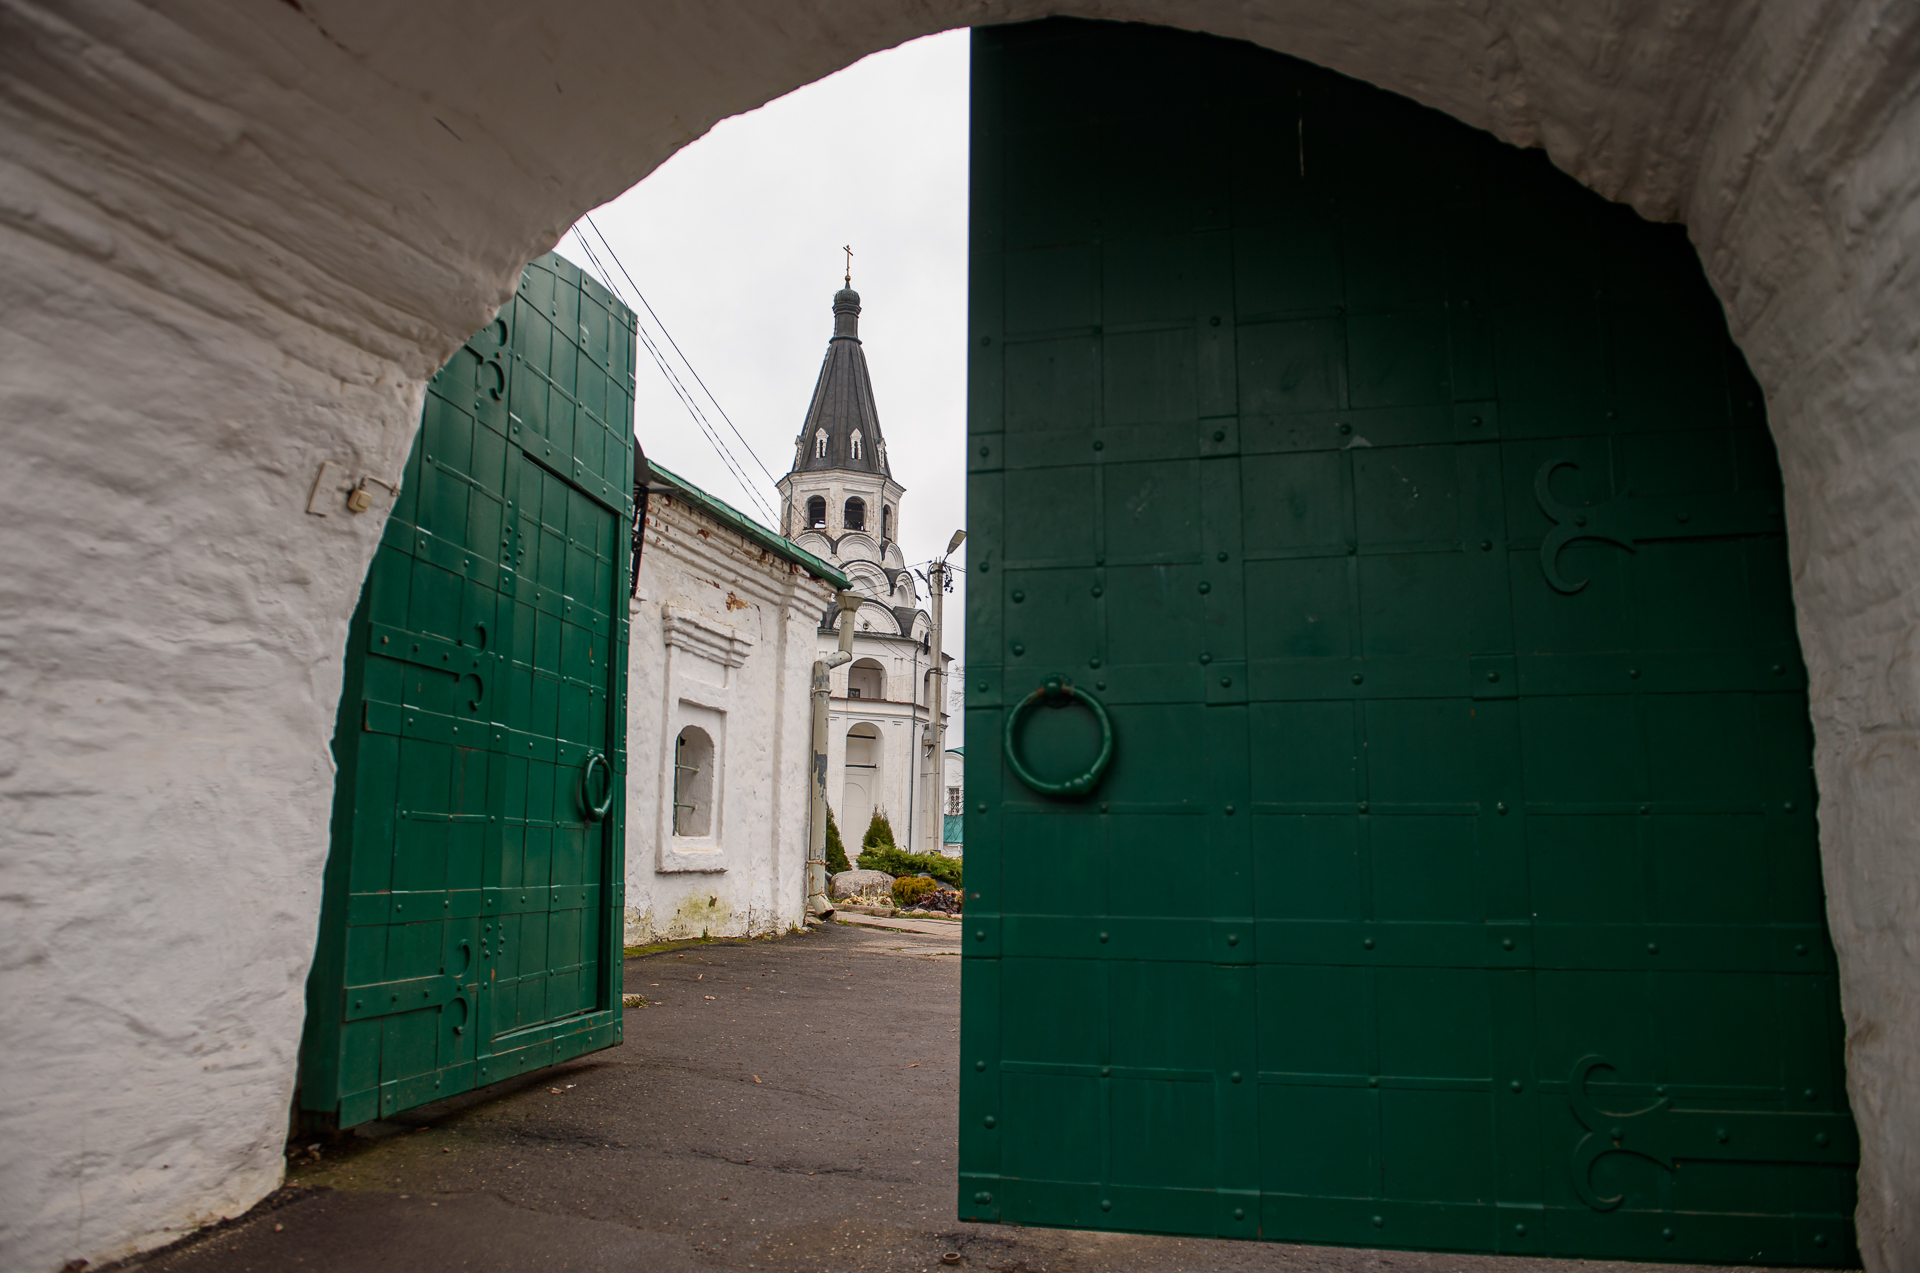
(472, 906)
(1454, 882)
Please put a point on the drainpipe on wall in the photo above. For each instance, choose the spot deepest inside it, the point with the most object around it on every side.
(818, 907)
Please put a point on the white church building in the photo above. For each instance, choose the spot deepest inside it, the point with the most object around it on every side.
(840, 502)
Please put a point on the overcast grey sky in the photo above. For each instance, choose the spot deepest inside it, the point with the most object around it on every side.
(735, 242)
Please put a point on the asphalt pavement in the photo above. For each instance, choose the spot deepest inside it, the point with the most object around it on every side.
(784, 1105)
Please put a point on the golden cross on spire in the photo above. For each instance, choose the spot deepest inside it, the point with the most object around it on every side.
(849, 251)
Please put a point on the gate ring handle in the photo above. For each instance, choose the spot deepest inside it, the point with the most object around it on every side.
(1058, 692)
(595, 812)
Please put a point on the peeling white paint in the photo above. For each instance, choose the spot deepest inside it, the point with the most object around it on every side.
(238, 237)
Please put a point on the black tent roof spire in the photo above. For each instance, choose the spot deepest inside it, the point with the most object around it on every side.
(842, 429)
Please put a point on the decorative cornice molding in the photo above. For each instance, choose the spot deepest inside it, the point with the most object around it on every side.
(697, 634)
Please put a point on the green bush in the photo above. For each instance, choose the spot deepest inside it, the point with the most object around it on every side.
(910, 889)
(879, 832)
(895, 863)
(836, 851)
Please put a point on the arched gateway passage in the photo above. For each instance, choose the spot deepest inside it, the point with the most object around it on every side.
(241, 239)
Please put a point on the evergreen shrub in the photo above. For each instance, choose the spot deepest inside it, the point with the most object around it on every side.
(908, 891)
(896, 863)
(879, 832)
(836, 851)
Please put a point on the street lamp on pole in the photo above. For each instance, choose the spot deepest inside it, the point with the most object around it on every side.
(936, 708)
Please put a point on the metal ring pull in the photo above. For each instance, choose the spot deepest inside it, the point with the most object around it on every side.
(595, 812)
(1058, 692)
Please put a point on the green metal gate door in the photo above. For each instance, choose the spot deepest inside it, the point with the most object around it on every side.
(473, 894)
(1454, 879)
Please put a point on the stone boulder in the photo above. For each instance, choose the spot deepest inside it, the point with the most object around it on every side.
(847, 884)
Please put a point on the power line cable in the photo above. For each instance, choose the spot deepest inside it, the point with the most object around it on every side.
(680, 390)
(683, 357)
(660, 361)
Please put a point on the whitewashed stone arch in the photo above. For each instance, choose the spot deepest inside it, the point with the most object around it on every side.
(814, 542)
(238, 244)
(860, 546)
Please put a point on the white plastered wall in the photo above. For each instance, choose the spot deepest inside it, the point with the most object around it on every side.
(722, 637)
(236, 238)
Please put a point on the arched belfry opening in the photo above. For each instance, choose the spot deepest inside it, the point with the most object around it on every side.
(817, 513)
(855, 515)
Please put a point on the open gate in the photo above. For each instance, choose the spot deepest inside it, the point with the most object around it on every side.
(472, 908)
(1405, 513)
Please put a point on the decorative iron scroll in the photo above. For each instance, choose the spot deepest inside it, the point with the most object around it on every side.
(1665, 1134)
(1569, 524)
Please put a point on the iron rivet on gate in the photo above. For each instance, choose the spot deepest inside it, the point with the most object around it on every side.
(1475, 422)
(1018, 649)
(1653, 948)
(1219, 435)
(1103, 937)
(1368, 943)
(1226, 682)
(1233, 939)
(1099, 446)
(1486, 545)
(979, 934)
(1379, 1222)
(1239, 1213)
(1808, 1093)
(1206, 658)
(1346, 428)
(1516, 1085)
(1800, 948)
(980, 1067)
(1493, 676)
(1018, 596)
(1229, 811)
(1214, 321)
(1363, 806)
(1205, 586)
(1373, 1082)
(1106, 1204)
(1667, 1234)
(1098, 591)
(1506, 943)
(1819, 1239)
(1778, 669)
(988, 1120)
(1788, 806)
(1235, 1076)
(1519, 1230)
(1500, 807)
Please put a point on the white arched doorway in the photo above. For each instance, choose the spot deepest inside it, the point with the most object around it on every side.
(860, 784)
(221, 279)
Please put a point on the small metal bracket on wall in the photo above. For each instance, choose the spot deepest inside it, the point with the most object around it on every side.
(360, 499)
(330, 491)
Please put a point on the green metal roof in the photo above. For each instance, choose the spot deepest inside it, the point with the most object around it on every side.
(731, 517)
